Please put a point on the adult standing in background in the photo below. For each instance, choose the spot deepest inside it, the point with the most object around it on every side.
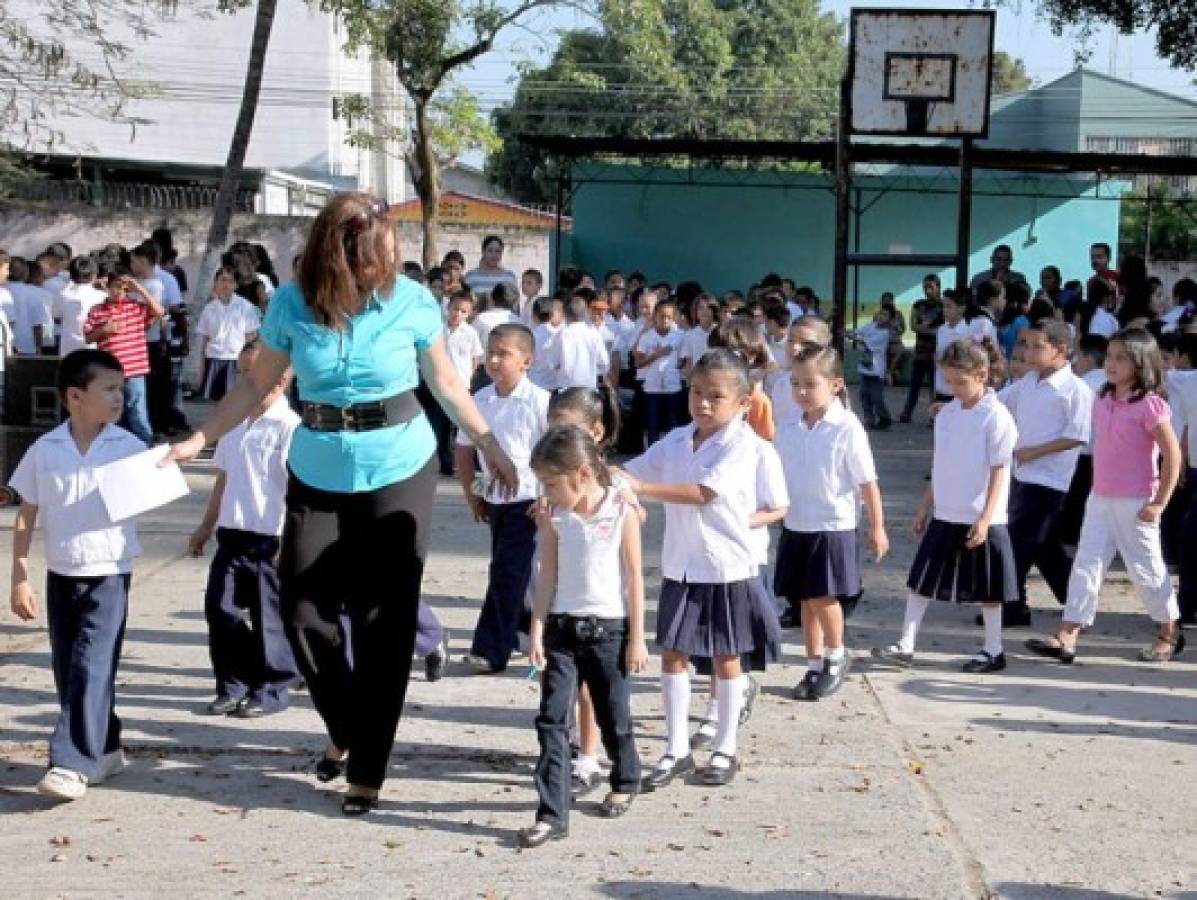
(1000, 262)
(490, 272)
(363, 474)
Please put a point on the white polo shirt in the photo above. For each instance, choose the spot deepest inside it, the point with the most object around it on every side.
(81, 540)
(695, 344)
(31, 307)
(488, 320)
(945, 336)
(1182, 399)
(71, 307)
(543, 370)
(664, 375)
(982, 325)
(1104, 323)
(465, 350)
(589, 566)
(253, 457)
(1044, 410)
(708, 544)
(771, 493)
(825, 465)
(227, 326)
(581, 356)
(517, 421)
(968, 443)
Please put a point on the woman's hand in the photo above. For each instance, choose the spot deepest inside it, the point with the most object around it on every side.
(185, 450)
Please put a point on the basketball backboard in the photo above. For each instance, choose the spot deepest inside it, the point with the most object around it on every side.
(919, 72)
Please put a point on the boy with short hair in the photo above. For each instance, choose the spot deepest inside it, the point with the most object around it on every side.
(531, 284)
(548, 313)
(874, 342)
(581, 355)
(517, 412)
(465, 352)
(74, 302)
(251, 657)
(89, 560)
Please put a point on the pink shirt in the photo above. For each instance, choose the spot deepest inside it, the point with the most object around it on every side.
(1125, 460)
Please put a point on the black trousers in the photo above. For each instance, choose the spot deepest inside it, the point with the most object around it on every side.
(1187, 595)
(1034, 510)
(251, 656)
(512, 546)
(361, 553)
(921, 370)
(158, 388)
(591, 652)
(1068, 524)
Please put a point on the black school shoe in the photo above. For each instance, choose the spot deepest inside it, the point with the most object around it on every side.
(667, 769)
(984, 662)
(717, 776)
(833, 677)
(222, 706)
(539, 834)
(808, 688)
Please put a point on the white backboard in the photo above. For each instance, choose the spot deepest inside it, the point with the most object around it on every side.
(921, 72)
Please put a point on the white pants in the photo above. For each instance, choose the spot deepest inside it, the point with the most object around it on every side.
(1112, 525)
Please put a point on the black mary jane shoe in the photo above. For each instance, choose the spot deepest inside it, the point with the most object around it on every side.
(985, 662)
(539, 834)
(1052, 648)
(666, 770)
(613, 808)
(717, 776)
(329, 769)
(358, 804)
(808, 688)
(833, 677)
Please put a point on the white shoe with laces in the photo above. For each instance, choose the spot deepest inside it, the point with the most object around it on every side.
(62, 784)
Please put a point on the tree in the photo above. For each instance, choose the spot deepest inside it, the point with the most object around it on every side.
(429, 41)
(705, 69)
(1009, 74)
(230, 177)
(1159, 225)
(1173, 21)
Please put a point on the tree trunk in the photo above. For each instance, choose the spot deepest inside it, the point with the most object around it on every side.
(230, 179)
(428, 184)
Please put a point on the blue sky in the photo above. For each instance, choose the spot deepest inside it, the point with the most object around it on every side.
(1020, 33)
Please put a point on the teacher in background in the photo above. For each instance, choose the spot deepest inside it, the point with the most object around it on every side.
(362, 474)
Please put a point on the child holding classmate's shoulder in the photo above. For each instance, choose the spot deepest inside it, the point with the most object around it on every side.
(251, 656)
(89, 560)
(587, 623)
(516, 411)
(827, 460)
(1131, 432)
(711, 594)
(965, 554)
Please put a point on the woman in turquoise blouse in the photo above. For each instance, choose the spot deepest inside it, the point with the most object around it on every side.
(363, 473)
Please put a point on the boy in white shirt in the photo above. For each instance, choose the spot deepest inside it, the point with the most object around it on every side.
(531, 284)
(658, 356)
(874, 342)
(73, 302)
(31, 320)
(548, 314)
(227, 324)
(251, 656)
(465, 352)
(953, 329)
(581, 355)
(517, 412)
(89, 560)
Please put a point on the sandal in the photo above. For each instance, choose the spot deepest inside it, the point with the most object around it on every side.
(1053, 648)
(616, 804)
(1175, 646)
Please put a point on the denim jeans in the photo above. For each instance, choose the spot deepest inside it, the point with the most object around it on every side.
(872, 400)
(136, 417)
(592, 652)
(512, 545)
(86, 619)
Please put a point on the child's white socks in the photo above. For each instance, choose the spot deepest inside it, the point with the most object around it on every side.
(991, 618)
(731, 699)
(675, 697)
(916, 608)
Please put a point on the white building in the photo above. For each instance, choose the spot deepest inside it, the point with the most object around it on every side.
(196, 62)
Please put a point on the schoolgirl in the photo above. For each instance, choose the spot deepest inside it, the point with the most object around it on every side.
(711, 595)
(741, 336)
(827, 460)
(1131, 426)
(587, 623)
(965, 555)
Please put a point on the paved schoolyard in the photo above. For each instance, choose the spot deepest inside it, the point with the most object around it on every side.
(1039, 782)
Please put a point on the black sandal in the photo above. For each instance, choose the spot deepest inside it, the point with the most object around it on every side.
(611, 808)
(1175, 646)
(358, 804)
(1053, 648)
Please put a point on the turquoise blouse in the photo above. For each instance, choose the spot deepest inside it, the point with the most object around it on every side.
(374, 357)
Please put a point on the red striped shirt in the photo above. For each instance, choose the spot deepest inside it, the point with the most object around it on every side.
(128, 344)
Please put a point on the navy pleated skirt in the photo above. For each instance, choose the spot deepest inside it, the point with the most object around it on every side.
(717, 619)
(944, 570)
(814, 564)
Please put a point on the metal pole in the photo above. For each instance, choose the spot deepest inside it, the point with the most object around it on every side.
(965, 220)
(1147, 228)
(856, 213)
(843, 207)
(557, 233)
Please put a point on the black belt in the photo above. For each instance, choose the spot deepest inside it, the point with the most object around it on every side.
(361, 416)
(586, 628)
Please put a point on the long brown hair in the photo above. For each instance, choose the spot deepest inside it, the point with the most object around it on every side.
(346, 257)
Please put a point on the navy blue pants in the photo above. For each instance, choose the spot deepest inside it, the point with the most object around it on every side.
(662, 414)
(512, 545)
(251, 656)
(1034, 510)
(86, 617)
(592, 652)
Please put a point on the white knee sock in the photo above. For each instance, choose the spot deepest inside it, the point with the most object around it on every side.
(835, 656)
(814, 664)
(675, 696)
(712, 710)
(731, 699)
(991, 617)
(916, 608)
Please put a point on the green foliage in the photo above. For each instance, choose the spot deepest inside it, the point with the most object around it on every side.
(1009, 74)
(1173, 223)
(705, 69)
(1174, 23)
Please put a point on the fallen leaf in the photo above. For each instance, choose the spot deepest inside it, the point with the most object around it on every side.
(60, 840)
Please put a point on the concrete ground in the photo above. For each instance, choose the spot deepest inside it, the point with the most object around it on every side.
(1039, 782)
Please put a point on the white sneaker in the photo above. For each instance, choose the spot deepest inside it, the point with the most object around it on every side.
(62, 784)
(111, 764)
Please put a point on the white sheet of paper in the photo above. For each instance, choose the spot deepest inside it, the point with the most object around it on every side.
(137, 484)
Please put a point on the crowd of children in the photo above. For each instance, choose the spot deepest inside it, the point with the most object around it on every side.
(733, 414)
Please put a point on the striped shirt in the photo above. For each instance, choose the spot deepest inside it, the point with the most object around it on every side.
(127, 344)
